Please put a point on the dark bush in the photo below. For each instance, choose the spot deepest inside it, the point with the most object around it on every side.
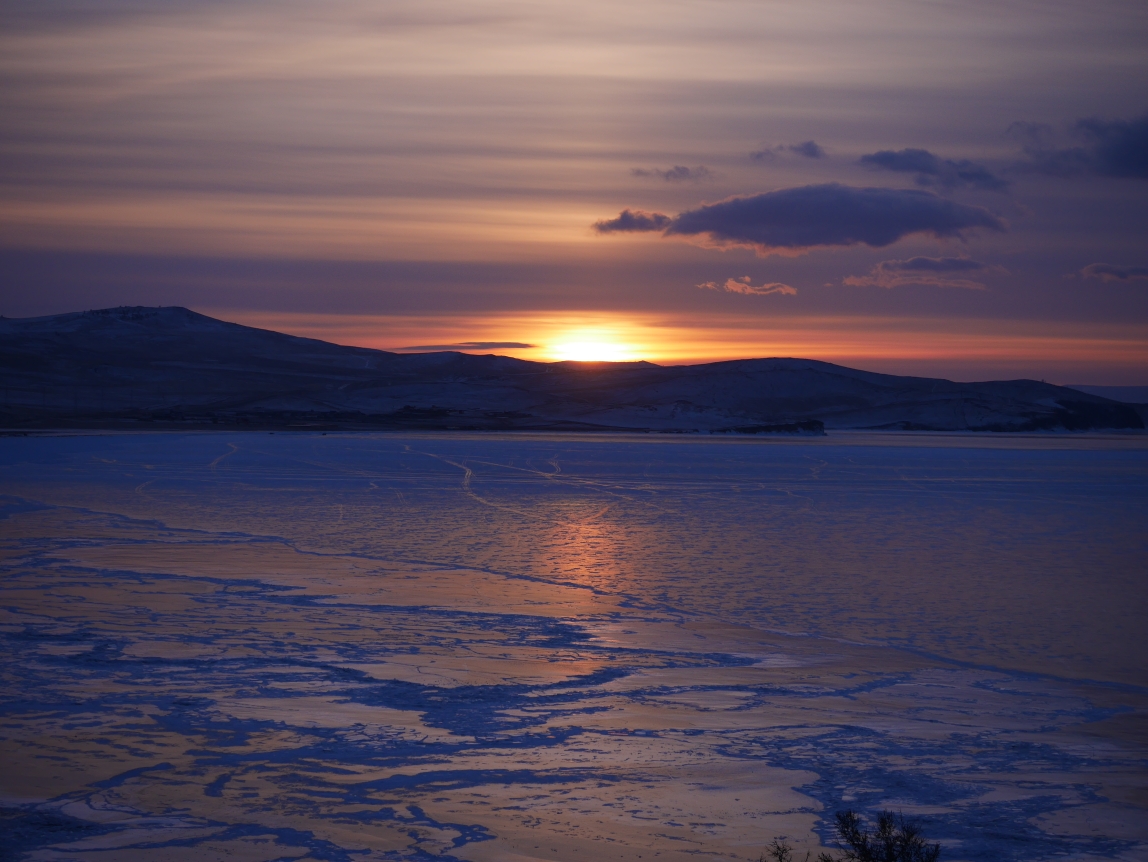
(894, 839)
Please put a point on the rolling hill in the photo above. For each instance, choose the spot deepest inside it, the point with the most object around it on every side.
(153, 367)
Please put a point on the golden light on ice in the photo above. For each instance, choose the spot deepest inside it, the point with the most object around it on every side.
(592, 345)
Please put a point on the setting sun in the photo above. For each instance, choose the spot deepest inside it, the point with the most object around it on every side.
(592, 346)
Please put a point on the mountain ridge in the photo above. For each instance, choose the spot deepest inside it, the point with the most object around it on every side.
(136, 366)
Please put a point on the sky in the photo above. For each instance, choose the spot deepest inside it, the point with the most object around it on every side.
(955, 189)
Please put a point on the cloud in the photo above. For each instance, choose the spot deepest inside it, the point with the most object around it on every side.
(809, 149)
(934, 271)
(1109, 272)
(472, 345)
(676, 174)
(1119, 147)
(933, 171)
(797, 219)
(1110, 148)
(633, 221)
(745, 285)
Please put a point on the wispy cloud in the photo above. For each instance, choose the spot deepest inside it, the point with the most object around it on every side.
(746, 286)
(1110, 272)
(676, 174)
(933, 171)
(933, 271)
(473, 345)
(809, 149)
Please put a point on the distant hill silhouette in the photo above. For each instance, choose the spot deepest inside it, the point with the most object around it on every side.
(160, 367)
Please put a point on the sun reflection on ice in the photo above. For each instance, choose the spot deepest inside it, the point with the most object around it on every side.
(586, 550)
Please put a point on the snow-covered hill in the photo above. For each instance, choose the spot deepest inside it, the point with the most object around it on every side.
(124, 366)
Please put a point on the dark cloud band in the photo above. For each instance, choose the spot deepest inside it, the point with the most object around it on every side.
(676, 174)
(932, 264)
(933, 271)
(1119, 148)
(472, 345)
(1111, 148)
(932, 170)
(1109, 272)
(809, 149)
(809, 216)
(633, 221)
(830, 215)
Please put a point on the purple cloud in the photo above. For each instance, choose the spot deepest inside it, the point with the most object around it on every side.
(676, 174)
(934, 264)
(809, 149)
(798, 219)
(1111, 148)
(472, 345)
(745, 285)
(931, 170)
(1109, 272)
(633, 221)
(1119, 148)
(934, 271)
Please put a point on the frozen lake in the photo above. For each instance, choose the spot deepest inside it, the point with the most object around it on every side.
(522, 647)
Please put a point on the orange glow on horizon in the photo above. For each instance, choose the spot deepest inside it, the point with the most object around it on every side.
(593, 345)
(957, 349)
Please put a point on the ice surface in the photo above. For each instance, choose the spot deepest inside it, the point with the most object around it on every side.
(258, 646)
